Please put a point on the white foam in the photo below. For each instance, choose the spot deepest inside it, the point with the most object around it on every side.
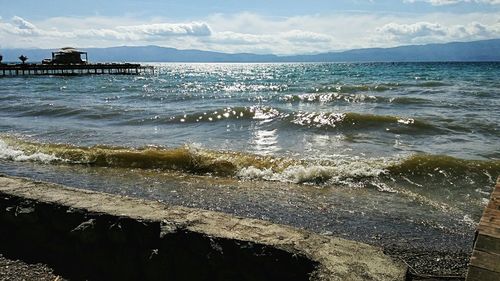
(301, 174)
(10, 153)
(252, 173)
(408, 121)
(335, 173)
(382, 187)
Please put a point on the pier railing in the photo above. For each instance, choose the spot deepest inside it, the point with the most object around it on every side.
(74, 69)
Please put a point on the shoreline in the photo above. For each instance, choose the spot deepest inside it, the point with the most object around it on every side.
(424, 257)
(323, 257)
(428, 250)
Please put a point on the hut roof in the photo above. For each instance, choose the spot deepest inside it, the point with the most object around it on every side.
(70, 50)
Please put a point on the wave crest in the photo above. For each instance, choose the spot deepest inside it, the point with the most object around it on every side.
(195, 160)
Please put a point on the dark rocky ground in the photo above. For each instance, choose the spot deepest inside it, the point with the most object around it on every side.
(17, 270)
(432, 265)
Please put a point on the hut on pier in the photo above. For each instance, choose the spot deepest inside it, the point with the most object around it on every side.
(67, 55)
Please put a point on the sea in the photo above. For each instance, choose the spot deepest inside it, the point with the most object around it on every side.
(399, 155)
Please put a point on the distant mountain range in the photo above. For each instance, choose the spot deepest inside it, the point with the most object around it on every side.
(484, 50)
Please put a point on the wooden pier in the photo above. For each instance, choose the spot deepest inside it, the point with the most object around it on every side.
(73, 69)
(485, 260)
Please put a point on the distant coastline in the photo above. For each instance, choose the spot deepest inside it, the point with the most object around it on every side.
(475, 51)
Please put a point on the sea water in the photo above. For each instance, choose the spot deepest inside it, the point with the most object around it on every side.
(401, 155)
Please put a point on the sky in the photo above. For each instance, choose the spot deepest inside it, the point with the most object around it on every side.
(280, 27)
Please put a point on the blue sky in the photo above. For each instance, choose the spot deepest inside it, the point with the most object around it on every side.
(279, 27)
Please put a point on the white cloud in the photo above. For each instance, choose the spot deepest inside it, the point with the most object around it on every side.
(145, 32)
(452, 2)
(22, 27)
(297, 36)
(301, 36)
(106, 34)
(288, 42)
(286, 35)
(434, 32)
(247, 32)
(22, 24)
(409, 31)
(236, 38)
(19, 26)
(168, 29)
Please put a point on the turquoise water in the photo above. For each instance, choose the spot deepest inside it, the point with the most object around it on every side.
(355, 109)
(408, 150)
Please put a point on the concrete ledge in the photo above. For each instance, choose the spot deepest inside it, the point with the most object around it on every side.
(89, 235)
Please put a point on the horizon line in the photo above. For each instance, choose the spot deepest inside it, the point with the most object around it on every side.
(261, 54)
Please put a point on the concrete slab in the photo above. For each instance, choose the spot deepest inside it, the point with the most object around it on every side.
(82, 217)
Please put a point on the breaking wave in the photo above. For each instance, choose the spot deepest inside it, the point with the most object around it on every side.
(8, 152)
(350, 98)
(345, 88)
(353, 120)
(196, 160)
(228, 113)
